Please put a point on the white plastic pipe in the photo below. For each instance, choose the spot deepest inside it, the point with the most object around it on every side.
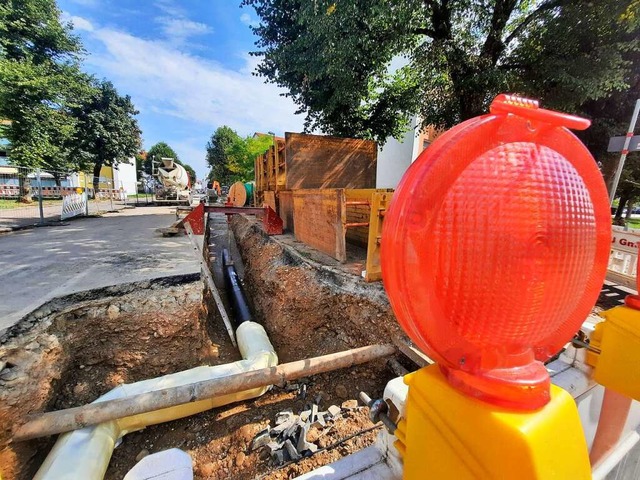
(85, 454)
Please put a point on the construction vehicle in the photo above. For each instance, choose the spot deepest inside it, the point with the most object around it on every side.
(174, 185)
(213, 191)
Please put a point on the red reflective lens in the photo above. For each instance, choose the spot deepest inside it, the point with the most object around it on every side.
(494, 251)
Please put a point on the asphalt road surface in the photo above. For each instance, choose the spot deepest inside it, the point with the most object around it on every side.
(39, 264)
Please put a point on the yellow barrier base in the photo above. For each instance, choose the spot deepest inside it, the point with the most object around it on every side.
(448, 435)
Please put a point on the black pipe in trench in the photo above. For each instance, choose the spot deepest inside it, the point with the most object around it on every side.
(239, 304)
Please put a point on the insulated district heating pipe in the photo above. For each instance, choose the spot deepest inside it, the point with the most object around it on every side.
(86, 453)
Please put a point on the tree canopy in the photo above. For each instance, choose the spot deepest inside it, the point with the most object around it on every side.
(337, 59)
(217, 154)
(40, 81)
(156, 153)
(107, 131)
(61, 119)
(242, 154)
(231, 157)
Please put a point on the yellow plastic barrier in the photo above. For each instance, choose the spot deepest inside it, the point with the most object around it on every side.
(453, 436)
(617, 366)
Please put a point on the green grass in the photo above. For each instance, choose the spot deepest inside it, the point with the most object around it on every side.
(634, 223)
(140, 195)
(7, 204)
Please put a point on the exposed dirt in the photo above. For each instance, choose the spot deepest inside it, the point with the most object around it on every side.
(304, 304)
(74, 350)
(219, 440)
(78, 352)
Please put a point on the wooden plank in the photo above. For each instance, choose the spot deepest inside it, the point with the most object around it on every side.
(270, 199)
(285, 209)
(319, 220)
(412, 353)
(317, 161)
(379, 204)
(356, 194)
(281, 174)
(206, 273)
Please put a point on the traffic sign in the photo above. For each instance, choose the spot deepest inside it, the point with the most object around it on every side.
(616, 144)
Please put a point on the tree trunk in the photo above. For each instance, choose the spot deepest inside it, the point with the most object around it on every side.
(617, 219)
(24, 195)
(96, 177)
(56, 178)
(630, 205)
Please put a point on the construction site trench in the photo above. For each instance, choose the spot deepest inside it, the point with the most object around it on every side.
(74, 349)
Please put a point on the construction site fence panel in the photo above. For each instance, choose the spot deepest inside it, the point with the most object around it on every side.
(30, 196)
(73, 205)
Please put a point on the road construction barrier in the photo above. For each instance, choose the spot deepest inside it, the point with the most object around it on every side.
(73, 205)
(623, 260)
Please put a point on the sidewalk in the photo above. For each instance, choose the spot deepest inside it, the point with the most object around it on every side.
(29, 215)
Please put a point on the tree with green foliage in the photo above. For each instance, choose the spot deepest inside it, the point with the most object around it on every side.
(241, 154)
(217, 158)
(40, 80)
(334, 57)
(162, 150)
(107, 131)
(156, 153)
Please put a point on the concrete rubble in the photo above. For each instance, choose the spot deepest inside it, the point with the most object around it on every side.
(295, 436)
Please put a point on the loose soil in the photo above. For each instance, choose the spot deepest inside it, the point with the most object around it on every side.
(73, 350)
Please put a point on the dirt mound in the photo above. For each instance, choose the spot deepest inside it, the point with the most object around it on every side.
(74, 354)
(308, 308)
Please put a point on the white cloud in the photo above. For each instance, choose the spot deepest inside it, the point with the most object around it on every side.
(170, 8)
(197, 93)
(247, 20)
(178, 30)
(80, 23)
(176, 27)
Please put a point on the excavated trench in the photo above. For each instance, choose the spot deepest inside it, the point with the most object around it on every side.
(74, 349)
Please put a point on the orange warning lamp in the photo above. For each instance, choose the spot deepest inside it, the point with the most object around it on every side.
(500, 236)
(494, 250)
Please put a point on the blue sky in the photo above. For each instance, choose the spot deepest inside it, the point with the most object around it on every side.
(186, 65)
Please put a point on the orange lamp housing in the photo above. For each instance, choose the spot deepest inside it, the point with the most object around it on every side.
(495, 247)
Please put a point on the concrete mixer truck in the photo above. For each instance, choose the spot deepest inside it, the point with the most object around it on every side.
(174, 185)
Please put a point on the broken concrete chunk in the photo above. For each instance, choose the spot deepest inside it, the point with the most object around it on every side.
(320, 421)
(306, 415)
(303, 444)
(302, 393)
(273, 446)
(334, 411)
(284, 426)
(283, 417)
(261, 439)
(291, 431)
(277, 457)
(291, 450)
(314, 413)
